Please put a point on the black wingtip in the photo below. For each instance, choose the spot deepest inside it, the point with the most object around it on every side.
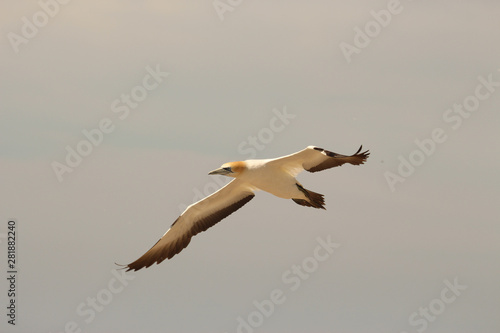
(121, 266)
(365, 154)
(128, 267)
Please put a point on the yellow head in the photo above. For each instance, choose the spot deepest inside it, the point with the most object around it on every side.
(231, 169)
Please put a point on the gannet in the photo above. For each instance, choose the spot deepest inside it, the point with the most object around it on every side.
(276, 176)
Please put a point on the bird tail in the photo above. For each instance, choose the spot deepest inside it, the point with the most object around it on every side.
(314, 199)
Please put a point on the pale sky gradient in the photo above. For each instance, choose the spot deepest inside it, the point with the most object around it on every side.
(227, 80)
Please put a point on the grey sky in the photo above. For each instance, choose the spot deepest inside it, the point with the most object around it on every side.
(270, 78)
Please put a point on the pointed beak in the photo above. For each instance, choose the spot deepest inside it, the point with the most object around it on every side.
(220, 171)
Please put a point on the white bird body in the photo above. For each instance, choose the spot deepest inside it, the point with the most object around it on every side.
(276, 176)
(271, 178)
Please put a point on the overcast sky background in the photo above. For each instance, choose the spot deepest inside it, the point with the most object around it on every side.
(228, 79)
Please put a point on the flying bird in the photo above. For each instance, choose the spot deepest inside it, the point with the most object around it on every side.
(276, 176)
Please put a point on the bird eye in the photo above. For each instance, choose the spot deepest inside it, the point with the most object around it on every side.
(228, 169)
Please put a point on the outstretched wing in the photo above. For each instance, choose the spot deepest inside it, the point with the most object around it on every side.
(196, 218)
(315, 159)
